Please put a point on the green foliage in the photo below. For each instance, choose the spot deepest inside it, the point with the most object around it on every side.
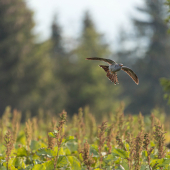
(165, 82)
(88, 84)
(168, 17)
(16, 47)
(27, 78)
(135, 149)
(166, 86)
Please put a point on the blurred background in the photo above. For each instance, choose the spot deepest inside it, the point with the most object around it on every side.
(44, 43)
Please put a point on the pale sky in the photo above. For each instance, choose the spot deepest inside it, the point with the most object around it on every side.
(108, 15)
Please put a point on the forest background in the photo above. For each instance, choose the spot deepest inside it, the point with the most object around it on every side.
(53, 75)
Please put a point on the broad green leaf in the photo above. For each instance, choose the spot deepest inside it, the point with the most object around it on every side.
(38, 167)
(94, 152)
(37, 161)
(109, 159)
(13, 168)
(120, 167)
(70, 139)
(125, 164)
(33, 157)
(29, 167)
(45, 152)
(19, 163)
(61, 151)
(62, 161)
(145, 167)
(121, 153)
(2, 149)
(160, 162)
(152, 144)
(49, 165)
(67, 151)
(74, 162)
(3, 168)
(21, 138)
(11, 162)
(35, 145)
(83, 168)
(72, 146)
(21, 152)
(51, 134)
(145, 153)
(2, 160)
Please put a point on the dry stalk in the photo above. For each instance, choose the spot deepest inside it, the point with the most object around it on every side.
(109, 138)
(9, 142)
(102, 139)
(159, 136)
(138, 149)
(60, 134)
(146, 143)
(28, 133)
(81, 129)
(87, 158)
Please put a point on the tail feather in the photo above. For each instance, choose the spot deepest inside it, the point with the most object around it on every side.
(112, 76)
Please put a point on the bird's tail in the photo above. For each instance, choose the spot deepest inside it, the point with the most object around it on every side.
(111, 76)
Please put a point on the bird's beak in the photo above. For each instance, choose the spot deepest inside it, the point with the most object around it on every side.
(121, 65)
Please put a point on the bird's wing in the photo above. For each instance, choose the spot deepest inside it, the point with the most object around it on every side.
(102, 59)
(105, 68)
(131, 74)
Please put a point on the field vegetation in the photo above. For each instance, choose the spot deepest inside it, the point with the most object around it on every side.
(119, 141)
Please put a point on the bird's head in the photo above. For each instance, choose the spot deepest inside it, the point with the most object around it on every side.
(120, 65)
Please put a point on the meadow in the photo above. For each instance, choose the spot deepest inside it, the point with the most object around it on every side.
(118, 141)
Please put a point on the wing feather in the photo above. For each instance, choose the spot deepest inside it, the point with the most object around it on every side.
(131, 74)
(105, 68)
(109, 61)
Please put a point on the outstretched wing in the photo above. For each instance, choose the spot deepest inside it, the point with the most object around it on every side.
(131, 74)
(102, 59)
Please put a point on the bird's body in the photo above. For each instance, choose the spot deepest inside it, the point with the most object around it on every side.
(112, 69)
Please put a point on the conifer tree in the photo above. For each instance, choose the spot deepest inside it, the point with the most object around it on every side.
(15, 45)
(25, 68)
(56, 37)
(88, 84)
(165, 81)
(153, 61)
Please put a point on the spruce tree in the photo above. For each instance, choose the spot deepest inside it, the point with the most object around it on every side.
(88, 82)
(15, 45)
(25, 68)
(165, 81)
(153, 61)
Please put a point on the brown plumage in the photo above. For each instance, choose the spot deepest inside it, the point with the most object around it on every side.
(131, 74)
(112, 69)
(112, 77)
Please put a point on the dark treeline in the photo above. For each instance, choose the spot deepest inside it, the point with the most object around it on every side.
(150, 57)
(51, 77)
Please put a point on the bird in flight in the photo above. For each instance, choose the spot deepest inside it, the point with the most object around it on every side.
(112, 69)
